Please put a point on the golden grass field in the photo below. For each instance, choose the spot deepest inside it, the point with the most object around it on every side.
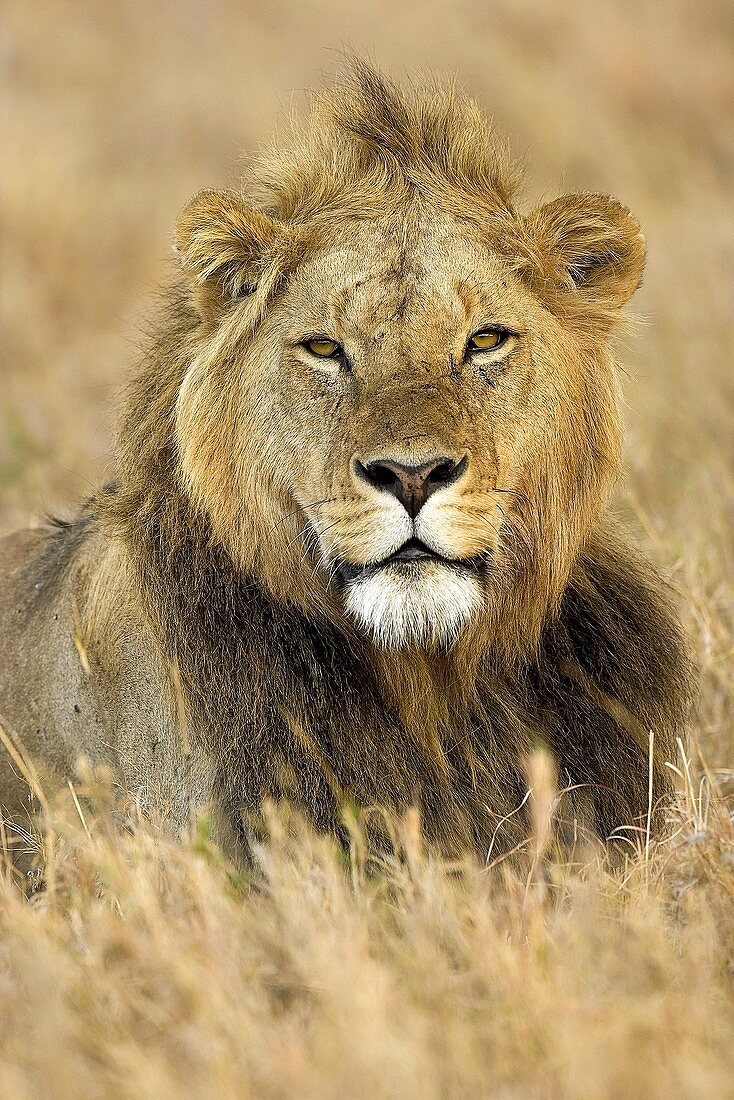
(149, 969)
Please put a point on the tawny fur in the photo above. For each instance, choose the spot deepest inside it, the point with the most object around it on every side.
(190, 628)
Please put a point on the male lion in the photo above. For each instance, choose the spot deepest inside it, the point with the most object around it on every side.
(355, 548)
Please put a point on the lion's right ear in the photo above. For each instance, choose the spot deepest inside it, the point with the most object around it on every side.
(225, 248)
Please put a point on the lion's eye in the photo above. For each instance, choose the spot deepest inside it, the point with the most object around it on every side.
(488, 339)
(323, 349)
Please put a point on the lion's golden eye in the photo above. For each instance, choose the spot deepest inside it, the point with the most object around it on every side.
(324, 349)
(488, 339)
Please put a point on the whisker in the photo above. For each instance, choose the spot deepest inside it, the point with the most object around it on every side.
(514, 493)
(502, 544)
(326, 552)
(336, 562)
(300, 535)
(314, 504)
(311, 531)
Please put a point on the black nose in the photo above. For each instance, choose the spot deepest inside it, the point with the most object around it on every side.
(412, 485)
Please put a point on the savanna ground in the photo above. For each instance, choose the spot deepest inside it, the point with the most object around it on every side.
(149, 969)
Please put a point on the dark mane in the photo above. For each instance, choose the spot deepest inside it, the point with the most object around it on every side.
(613, 671)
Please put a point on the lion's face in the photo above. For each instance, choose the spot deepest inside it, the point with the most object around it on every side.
(403, 439)
(404, 426)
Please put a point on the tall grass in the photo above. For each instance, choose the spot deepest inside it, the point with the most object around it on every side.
(147, 967)
(150, 968)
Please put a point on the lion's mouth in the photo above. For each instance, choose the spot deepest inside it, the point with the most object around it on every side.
(412, 553)
(413, 550)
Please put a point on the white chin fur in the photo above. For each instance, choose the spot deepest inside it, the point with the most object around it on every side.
(414, 605)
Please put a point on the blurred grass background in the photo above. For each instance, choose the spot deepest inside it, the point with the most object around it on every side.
(113, 114)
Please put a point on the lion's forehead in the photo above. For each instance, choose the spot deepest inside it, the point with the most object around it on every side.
(386, 282)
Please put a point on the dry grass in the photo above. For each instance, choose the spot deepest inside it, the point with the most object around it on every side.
(149, 969)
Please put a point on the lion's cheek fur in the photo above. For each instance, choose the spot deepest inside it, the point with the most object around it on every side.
(562, 466)
(243, 492)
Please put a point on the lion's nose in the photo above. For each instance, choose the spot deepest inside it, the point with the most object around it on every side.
(412, 485)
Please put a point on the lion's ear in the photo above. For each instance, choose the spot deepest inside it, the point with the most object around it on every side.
(224, 247)
(590, 245)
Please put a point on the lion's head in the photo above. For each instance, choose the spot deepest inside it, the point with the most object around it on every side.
(400, 406)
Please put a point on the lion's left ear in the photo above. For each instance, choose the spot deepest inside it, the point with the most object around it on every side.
(225, 247)
(587, 244)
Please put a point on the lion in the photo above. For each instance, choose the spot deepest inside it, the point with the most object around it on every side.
(358, 549)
